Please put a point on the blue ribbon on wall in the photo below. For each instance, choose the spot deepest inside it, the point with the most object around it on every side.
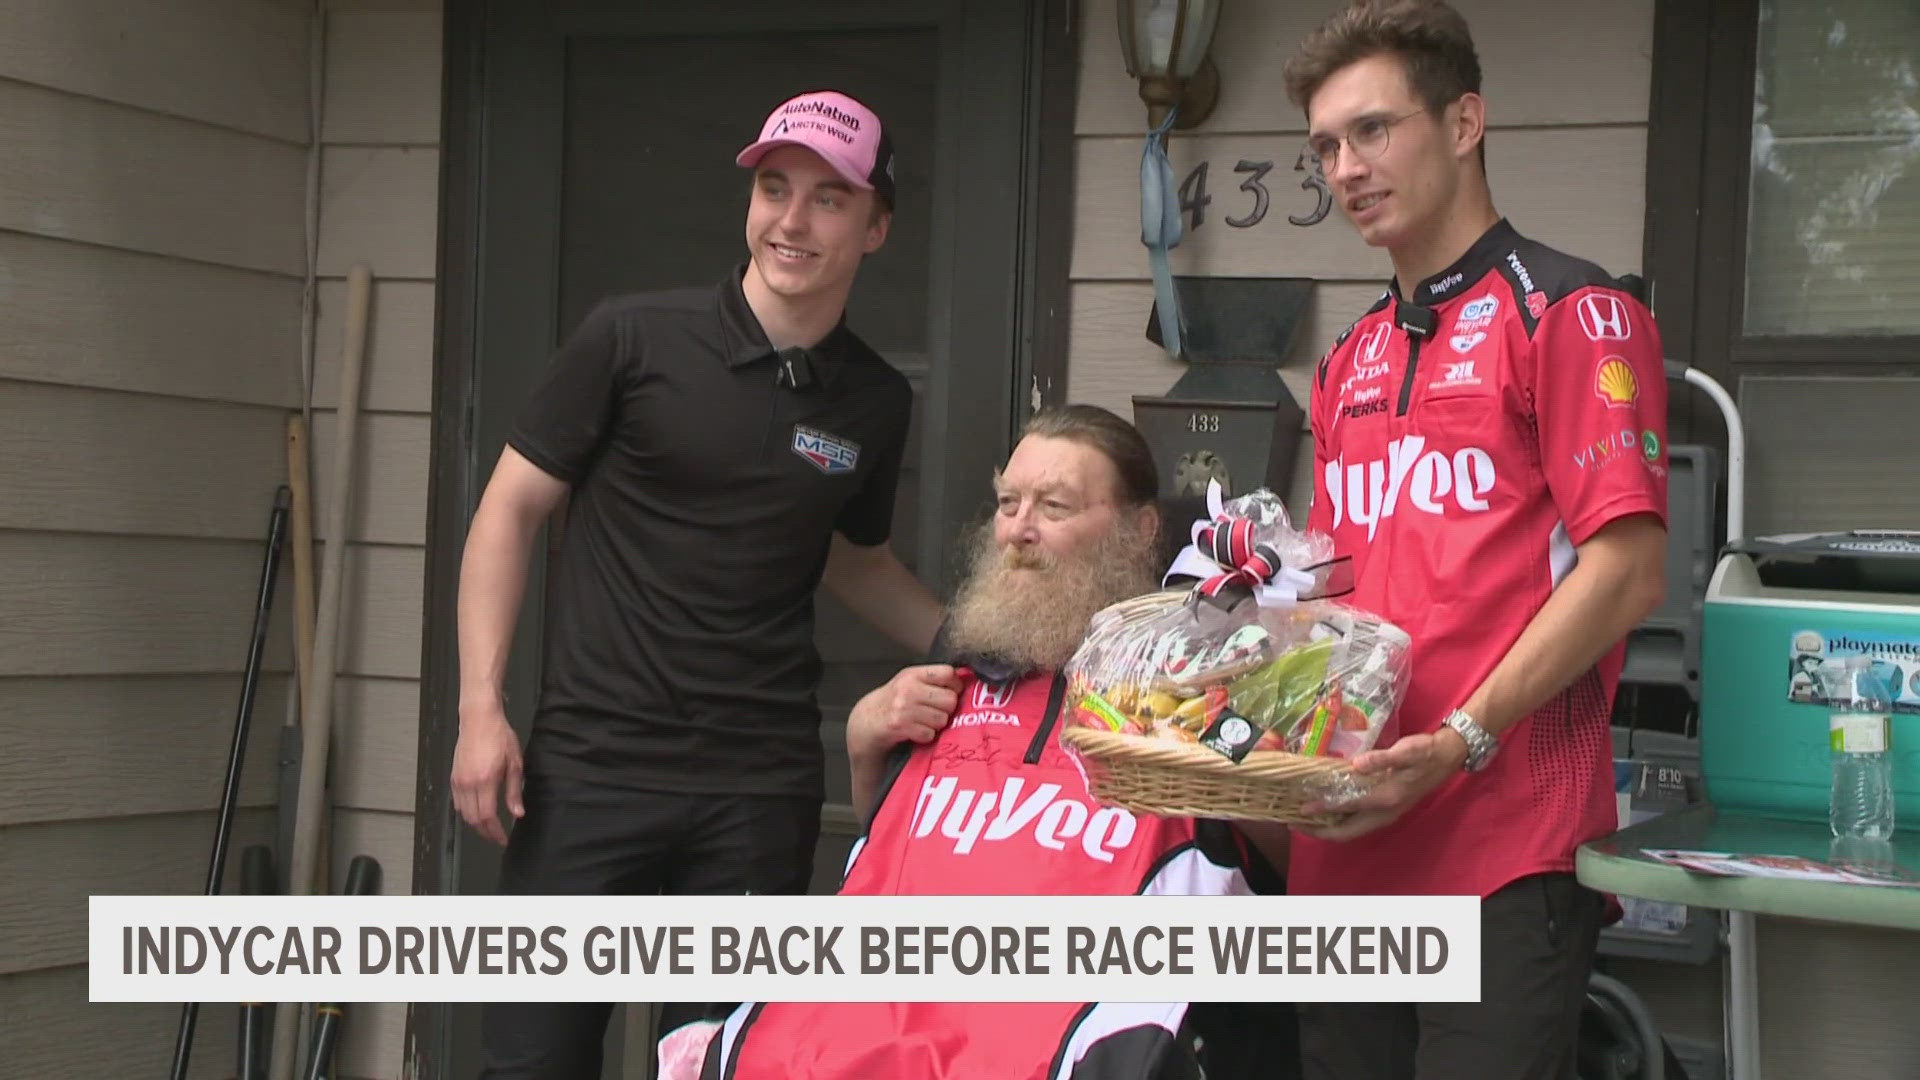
(1161, 227)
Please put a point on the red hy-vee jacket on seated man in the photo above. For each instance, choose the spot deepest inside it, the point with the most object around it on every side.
(968, 792)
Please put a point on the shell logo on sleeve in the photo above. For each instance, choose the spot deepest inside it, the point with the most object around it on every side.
(1614, 381)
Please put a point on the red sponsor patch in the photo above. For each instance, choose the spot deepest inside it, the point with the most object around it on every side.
(1537, 304)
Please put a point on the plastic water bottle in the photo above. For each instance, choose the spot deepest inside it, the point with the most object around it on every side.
(1860, 725)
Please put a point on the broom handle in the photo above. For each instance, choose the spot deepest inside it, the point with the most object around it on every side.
(317, 716)
(299, 473)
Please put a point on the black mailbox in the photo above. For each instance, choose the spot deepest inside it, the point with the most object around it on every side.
(1230, 417)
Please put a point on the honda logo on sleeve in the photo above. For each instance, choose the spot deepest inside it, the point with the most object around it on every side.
(1604, 318)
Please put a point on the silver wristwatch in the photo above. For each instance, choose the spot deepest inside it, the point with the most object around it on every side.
(1481, 746)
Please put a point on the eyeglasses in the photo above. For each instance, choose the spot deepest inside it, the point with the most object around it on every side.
(1367, 136)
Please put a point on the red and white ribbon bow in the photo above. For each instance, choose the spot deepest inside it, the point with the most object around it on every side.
(1232, 564)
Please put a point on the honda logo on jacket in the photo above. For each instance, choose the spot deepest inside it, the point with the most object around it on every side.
(991, 695)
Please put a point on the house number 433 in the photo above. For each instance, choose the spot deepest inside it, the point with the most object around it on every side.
(1194, 198)
(1205, 422)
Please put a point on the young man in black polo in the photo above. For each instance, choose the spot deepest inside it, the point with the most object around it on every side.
(722, 450)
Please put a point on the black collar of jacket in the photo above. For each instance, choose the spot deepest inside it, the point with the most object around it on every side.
(1466, 271)
(745, 341)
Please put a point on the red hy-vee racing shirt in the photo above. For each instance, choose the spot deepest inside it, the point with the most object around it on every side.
(1460, 457)
(992, 807)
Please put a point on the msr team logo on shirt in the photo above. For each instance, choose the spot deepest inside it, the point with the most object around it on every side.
(828, 453)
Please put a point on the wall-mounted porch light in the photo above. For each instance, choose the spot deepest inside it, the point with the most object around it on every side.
(1165, 45)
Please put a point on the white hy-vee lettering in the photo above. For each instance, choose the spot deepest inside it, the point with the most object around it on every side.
(967, 817)
(1368, 493)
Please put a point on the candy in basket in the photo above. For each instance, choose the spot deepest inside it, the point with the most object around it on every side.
(1244, 695)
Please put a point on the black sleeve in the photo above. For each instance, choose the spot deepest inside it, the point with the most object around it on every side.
(867, 518)
(941, 651)
(563, 425)
(1226, 845)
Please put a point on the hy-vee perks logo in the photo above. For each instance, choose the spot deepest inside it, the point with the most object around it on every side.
(828, 453)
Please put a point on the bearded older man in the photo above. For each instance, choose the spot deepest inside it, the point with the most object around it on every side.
(965, 790)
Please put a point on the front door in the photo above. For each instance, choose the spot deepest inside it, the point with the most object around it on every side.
(603, 138)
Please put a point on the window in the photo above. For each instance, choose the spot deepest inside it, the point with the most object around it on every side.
(1833, 196)
(1783, 185)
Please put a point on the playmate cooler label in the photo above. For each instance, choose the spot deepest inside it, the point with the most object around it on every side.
(1896, 659)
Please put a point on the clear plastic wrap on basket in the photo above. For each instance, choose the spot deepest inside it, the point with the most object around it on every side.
(1243, 695)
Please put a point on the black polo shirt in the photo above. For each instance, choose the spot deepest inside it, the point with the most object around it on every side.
(679, 649)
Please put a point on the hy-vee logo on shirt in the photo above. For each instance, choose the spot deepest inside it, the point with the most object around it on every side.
(828, 453)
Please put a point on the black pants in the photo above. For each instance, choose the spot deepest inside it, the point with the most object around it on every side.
(1537, 942)
(581, 840)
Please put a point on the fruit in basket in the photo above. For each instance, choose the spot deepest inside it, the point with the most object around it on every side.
(1192, 711)
(1352, 718)
(1283, 691)
(1160, 705)
(1336, 723)
(1173, 732)
(1094, 711)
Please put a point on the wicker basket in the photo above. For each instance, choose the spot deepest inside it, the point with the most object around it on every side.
(1177, 779)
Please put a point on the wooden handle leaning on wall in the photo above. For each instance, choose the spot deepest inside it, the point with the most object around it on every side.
(304, 878)
(300, 481)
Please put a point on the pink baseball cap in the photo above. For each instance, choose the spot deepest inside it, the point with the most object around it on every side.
(841, 130)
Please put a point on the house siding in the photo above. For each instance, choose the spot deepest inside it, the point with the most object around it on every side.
(380, 179)
(151, 257)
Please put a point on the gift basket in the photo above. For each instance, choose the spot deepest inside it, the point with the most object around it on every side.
(1244, 696)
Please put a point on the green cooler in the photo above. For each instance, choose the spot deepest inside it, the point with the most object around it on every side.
(1775, 609)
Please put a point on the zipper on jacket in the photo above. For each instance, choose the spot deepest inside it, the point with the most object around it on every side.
(1055, 697)
(1413, 361)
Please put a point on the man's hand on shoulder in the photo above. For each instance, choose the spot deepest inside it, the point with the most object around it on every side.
(1403, 774)
(913, 706)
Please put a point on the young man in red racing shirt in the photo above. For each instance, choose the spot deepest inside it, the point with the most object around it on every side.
(1489, 449)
